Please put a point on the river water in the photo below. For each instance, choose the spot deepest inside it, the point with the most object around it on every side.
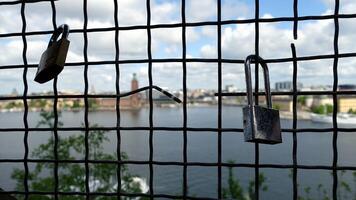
(313, 149)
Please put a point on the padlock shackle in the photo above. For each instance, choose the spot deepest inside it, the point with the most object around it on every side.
(62, 29)
(248, 61)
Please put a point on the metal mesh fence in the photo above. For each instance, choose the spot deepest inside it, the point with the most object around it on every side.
(294, 58)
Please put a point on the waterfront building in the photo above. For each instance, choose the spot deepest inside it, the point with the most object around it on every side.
(346, 103)
(283, 103)
(130, 102)
(322, 100)
(287, 86)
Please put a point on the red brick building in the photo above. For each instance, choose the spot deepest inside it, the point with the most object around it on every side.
(130, 102)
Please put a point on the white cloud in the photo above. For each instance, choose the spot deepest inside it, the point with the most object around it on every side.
(172, 35)
(238, 41)
(208, 51)
(11, 52)
(10, 19)
(201, 10)
(232, 9)
(207, 10)
(314, 37)
(192, 35)
(165, 12)
(209, 31)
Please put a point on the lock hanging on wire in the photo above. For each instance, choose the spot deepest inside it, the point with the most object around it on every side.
(53, 59)
(261, 125)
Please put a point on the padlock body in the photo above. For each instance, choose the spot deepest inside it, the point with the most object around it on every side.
(261, 125)
(52, 61)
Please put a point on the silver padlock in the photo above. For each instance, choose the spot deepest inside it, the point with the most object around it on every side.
(261, 125)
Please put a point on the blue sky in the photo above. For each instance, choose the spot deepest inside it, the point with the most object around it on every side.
(315, 37)
(279, 8)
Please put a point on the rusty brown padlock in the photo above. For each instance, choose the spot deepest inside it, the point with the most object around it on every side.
(53, 59)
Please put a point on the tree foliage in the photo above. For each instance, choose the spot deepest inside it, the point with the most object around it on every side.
(72, 176)
(302, 100)
(323, 109)
(234, 190)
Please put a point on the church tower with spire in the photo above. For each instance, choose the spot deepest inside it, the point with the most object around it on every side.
(134, 82)
(135, 98)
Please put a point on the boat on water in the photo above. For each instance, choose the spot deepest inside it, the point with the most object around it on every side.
(342, 118)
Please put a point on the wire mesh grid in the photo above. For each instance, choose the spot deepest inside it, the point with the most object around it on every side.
(151, 128)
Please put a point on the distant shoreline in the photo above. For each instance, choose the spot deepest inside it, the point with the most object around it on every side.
(303, 115)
